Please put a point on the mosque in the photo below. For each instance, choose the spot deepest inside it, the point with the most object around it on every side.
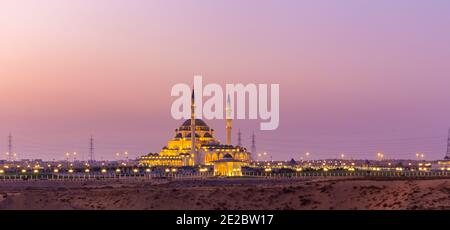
(203, 149)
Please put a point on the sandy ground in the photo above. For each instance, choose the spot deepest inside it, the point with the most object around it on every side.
(231, 194)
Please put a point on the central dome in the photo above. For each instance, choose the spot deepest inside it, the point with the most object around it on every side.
(198, 123)
(200, 126)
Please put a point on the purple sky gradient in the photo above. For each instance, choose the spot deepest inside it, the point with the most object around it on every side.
(356, 77)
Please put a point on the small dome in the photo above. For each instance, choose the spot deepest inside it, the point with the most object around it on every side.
(227, 156)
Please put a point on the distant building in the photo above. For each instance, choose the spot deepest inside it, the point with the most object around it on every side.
(442, 165)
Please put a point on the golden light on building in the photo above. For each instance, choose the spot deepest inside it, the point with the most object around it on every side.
(194, 143)
(103, 171)
(228, 166)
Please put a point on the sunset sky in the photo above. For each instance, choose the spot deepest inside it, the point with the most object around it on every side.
(356, 76)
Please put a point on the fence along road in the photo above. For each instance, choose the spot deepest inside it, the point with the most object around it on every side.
(177, 176)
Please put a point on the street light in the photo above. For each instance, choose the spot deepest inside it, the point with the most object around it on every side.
(126, 156)
(380, 156)
(74, 154)
(420, 156)
(307, 154)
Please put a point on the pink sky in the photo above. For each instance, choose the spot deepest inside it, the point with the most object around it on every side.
(356, 77)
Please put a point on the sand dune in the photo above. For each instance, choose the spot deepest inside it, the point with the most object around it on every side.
(230, 194)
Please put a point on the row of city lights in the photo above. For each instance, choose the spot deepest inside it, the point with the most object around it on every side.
(379, 155)
(86, 170)
(68, 155)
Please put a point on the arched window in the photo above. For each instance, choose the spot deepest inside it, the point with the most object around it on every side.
(214, 157)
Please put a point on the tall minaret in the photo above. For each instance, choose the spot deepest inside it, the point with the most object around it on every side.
(193, 146)
(229, 120)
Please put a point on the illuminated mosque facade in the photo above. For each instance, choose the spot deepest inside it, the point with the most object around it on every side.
(207, 149)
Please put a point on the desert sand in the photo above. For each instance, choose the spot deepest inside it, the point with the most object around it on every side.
(228, 194)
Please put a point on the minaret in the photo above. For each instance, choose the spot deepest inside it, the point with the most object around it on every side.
(193, 145)
(229, 120)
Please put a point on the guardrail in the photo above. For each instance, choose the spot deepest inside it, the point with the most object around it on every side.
(77, 177)
(179, 176)
(348, 174)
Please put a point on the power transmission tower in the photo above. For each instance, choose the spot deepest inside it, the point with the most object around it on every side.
(254, 145)
(239, 138)
(447, 156)
(91, 149)
(10, 147)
